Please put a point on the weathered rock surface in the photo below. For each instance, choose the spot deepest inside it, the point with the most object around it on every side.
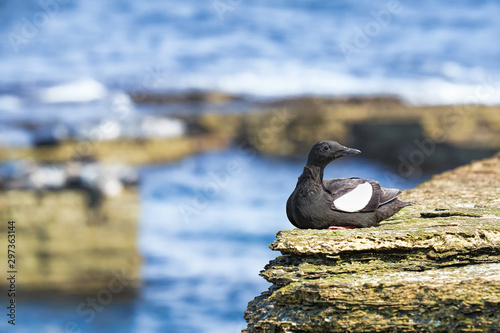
(434, 267)
(128, 151)
(447, 136)
(195, 96)
(63, 245)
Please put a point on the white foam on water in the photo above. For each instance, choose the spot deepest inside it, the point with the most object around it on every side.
(429, 53)
(86, 90)
(10, 103)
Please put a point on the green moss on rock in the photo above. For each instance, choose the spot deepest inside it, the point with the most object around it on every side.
(434, 267)
(65, 246)
(129, 151)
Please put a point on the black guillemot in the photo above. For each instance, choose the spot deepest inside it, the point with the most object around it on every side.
(340, 202)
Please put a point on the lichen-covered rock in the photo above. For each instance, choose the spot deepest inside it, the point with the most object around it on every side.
(434, 267)
(446, 136)
(129, 151)
(445, 300)
(63, 245)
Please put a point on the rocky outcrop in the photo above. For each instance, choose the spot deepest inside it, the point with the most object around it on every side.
(63, 245)
(194, 96)
(127, 151)
(429, 138)
(383, 128)
(434, 267)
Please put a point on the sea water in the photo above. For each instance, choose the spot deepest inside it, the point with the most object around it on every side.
(76, 61)
(204, 232)
(427, 52)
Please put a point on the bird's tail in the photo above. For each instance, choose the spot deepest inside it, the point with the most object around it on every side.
(391, 208)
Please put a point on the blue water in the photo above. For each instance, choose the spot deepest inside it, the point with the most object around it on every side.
(75, 61)
(200, 268)
(424, 51)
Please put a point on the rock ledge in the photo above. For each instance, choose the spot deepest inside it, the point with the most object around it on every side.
(434, 267)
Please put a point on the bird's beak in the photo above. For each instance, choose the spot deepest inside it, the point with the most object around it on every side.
(346, 151)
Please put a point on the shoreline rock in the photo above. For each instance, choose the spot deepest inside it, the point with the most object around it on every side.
(411, 139)
(433, 267)
(126, 151)
(63, 246)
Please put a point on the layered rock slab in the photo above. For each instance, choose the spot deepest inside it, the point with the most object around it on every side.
(64, 246)
(434, 267)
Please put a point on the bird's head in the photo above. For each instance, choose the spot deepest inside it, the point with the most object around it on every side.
(324, 152)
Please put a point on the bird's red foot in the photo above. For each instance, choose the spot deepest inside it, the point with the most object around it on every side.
(334, 227)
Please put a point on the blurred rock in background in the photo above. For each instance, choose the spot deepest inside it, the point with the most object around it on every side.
(66, 244)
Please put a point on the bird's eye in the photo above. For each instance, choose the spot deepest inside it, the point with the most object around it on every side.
(325, 148)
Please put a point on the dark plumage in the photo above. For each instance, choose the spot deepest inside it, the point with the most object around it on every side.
(318, 204)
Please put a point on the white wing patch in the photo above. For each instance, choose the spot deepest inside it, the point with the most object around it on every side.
(356, 199)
